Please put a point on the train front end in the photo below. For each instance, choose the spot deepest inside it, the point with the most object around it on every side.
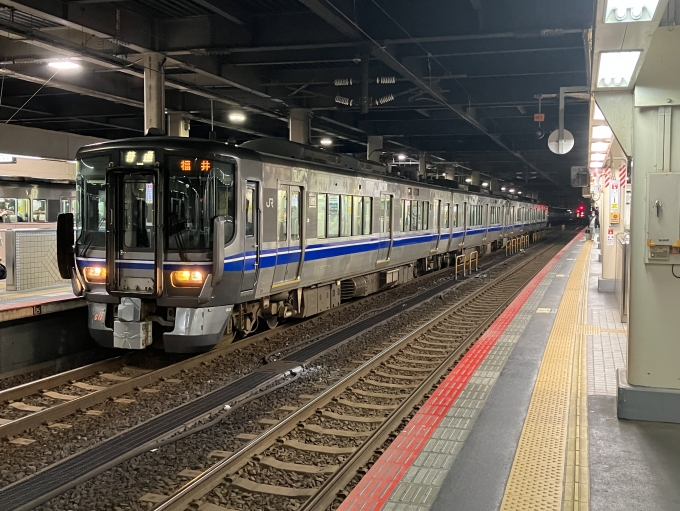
(154, 223)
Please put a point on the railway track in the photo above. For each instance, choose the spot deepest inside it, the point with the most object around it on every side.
(47, 400)
(304, 461)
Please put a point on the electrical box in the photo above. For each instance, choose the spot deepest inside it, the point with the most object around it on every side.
(663, 218)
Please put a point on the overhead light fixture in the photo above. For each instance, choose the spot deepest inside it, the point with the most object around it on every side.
(598, 157)
(503, 188)
(617, 68)
(468, 180)
(401, 157)
(512, 190)
(596, 164)
(63, 65)
(520, 192)
(485, 184)
(602, 132)
(326, 142)
(237, 117)
(599, 147)
(630, 11)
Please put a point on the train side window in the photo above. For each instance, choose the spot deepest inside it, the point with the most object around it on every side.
(426, 215)
(39, 210)
(23, 209)
(454, 216)
(295, 215)
(385, 213)
(368, 210)
(407, 215)
(282, 215)
(250, 219)
(357, 215)
(333, 216)
(447, 218)
(416, 220)
(321, 216)
(345, 215)
(436, 211)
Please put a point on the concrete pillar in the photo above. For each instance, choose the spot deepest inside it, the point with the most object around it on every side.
(299, 125)
(493, 185)
(422, 166)
(178, 125)
(154, 92)
(374, 149)
(476, 178)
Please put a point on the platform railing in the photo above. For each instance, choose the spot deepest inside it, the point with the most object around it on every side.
(474, 257)
(458, 263)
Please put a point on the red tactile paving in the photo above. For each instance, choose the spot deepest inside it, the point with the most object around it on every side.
(375, 488)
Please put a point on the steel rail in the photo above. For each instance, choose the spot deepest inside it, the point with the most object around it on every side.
(208, 480)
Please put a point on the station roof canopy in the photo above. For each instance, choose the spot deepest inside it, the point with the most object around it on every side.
(458, 79)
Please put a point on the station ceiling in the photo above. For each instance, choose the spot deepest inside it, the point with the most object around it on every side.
(463, 77)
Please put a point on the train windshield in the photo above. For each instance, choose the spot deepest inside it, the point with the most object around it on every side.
(199, 190)
(91, 194)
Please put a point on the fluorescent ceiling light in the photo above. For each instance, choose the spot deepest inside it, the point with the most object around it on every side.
(503, 188)
(401, 157)
(602, 132)
(62, 65)
(597, 114)
(468, 180)
(326, 142)
(520, 192)
(598, 157)
(616, 68)
(599, 147)
(237, 117)
(512, 190)
(630, 11)
(596, 164)
(485, 184)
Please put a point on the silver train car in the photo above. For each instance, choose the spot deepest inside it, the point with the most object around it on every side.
(182, 241)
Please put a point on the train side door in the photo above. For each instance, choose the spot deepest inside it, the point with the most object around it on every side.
(288, 227)
(465, 222)
(436, 221)
(385, 244)
(251, 243)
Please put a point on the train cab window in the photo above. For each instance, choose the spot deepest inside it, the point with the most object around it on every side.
(39, 210)
(321, 216)
(333, 216)
(282, 215)
(454, 216)
(407, 216)
(250, 213)
(138, 214)
(295, 215)
(368, 210)
(357, 215)
(91, 197)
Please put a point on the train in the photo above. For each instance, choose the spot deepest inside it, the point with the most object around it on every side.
(26, 200)
(179, 242)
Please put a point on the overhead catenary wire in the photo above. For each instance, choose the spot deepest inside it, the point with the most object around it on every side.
(29, 99)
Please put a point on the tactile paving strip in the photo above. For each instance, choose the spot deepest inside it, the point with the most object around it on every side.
(538, 472)
(412, 470)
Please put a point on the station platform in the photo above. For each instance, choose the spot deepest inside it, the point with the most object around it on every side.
(35, 302)
(527, 420)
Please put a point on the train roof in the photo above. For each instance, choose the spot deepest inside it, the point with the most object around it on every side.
(280, 151)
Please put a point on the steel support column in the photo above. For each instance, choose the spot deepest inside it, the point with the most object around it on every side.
(154, 92)
(374, 148)
(299, 125)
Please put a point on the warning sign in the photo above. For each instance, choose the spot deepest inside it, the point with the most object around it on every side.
(614, 195)
(614, 218)
(539, 117)
(610, 237)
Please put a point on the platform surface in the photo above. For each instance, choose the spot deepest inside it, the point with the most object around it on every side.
(33, 302)
(528, 419)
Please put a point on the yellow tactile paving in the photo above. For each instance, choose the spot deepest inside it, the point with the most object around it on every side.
(553, 447)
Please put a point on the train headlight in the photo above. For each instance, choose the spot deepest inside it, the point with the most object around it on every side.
(95, 274)
(187, 278)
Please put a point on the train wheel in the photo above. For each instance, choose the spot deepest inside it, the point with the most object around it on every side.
(272, 322)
